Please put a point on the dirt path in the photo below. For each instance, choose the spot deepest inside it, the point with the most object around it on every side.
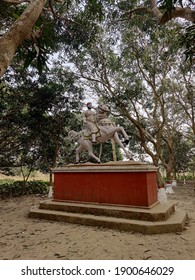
(31, 239)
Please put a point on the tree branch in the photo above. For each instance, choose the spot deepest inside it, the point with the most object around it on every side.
(15, 2)
(137, 11)
(163, 17)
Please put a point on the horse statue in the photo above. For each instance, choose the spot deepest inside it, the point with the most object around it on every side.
(106, 131)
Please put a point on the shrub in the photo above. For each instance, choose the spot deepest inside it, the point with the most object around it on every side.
(19, 188)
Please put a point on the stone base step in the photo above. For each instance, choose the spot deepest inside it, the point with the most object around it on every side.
(160, 212)
(175, 222)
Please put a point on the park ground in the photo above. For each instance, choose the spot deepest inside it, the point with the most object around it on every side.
(23, 238)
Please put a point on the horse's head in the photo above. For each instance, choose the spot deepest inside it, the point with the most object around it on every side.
(104, 108)
(74, 135)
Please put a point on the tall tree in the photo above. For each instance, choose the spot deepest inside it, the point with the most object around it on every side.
(135, 75)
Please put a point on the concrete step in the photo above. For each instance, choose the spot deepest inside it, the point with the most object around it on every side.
(175, 223)
(160, 212)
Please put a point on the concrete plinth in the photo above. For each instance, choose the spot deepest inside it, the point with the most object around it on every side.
(162, 218)
(122, 183)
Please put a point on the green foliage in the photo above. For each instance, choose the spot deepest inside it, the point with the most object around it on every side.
(75, 24)
(187, 40)
(18, 188)
(39, 115)
(9, 13)
(132, 58)
(186, 176)
(181, 149)
(6, 181)
(71, 25)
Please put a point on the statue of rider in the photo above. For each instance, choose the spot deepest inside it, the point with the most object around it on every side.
(90, 123)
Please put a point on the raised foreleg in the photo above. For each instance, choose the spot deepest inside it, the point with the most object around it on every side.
(118, 141)
(124, 135)
(110, 130)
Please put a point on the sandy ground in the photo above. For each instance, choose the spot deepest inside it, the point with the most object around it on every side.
(32, 239)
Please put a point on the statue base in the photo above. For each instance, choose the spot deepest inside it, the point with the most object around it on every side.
(128, 183)
(162, 218)
(121, 195)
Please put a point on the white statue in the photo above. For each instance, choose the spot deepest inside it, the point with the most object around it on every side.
(90, 123)
(98, 129)
(102, 115)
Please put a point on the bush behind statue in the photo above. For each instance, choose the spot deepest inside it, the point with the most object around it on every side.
(19, 188)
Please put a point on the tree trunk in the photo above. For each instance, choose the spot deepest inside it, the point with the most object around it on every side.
(159, 177)
(18, 32)
(168, 174)
(169, 169)
(174, 174)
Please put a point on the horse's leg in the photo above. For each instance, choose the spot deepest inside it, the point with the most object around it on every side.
(110, 130)
(107, 133)
(118, 141)
(91, 154)
(124, 133)
(78, 151)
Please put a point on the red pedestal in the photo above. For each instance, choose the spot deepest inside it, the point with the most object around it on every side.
(118, 184)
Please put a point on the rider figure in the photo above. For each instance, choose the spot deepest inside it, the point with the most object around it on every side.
(90, 122)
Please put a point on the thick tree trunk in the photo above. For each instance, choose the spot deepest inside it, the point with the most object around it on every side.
(169, 167)
(168, 173)
(18, 32)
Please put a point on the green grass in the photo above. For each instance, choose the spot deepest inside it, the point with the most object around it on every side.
(6, 181)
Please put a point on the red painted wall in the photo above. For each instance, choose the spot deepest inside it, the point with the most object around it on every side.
(121, 188)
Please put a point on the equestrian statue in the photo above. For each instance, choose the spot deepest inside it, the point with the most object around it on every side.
(98, 128)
